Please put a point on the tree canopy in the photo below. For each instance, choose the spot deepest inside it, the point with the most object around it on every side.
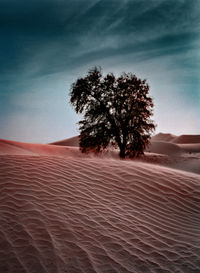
(116, 111)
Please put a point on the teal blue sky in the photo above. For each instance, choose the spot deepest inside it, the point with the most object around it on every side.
(45, 45)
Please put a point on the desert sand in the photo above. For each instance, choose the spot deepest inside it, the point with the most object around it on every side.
(64, 211)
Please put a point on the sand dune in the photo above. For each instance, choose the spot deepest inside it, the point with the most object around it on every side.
(190, 148)
(62, 211)
(163, 137)
(162, 147)
(160, 137)
(161, 151)
(161, 143)
(73, 141)
(183, 139)
(8, 147)
(179, 156)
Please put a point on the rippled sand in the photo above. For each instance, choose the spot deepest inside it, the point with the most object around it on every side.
(65, 212)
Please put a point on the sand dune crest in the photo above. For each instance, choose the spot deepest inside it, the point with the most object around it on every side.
(163, 137)
(73, 141)
(183, 139)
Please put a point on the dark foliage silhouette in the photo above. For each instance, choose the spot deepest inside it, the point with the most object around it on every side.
(116, 112)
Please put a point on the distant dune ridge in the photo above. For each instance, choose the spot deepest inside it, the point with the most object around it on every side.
(64, 211)
(183, 139)
(73, 141)
(162, 147)
(163, 137)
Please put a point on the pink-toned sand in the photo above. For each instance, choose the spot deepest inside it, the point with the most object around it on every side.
(63, 211)
(72, 141)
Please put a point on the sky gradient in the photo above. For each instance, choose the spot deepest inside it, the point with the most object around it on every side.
(46, 45)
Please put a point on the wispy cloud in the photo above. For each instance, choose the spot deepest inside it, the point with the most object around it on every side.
(47, 38)
(53, 34)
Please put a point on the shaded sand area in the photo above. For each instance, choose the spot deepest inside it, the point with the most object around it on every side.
(63, 211)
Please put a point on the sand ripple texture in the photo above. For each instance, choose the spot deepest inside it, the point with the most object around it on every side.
(92, 215)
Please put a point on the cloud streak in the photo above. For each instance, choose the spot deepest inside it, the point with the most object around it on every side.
(103, 27)
(45, 39)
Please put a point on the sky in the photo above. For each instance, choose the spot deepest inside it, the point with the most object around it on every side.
(46, 45)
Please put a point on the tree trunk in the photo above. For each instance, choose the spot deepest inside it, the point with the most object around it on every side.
(122, 151)
(123, 144)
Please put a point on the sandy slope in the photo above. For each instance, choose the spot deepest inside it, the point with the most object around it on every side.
(163, 137)
(163, 151)
(62, 211)
(183, 139)
(8, 147)
(179, 156)
(72, 141)
(190, 148)
(161, 147)
(161, 143)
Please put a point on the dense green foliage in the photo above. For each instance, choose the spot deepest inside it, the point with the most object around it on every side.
(116, 112)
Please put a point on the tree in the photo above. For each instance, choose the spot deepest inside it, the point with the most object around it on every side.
(116, 112)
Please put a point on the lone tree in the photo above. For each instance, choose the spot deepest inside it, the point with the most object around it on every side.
(116, 112)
